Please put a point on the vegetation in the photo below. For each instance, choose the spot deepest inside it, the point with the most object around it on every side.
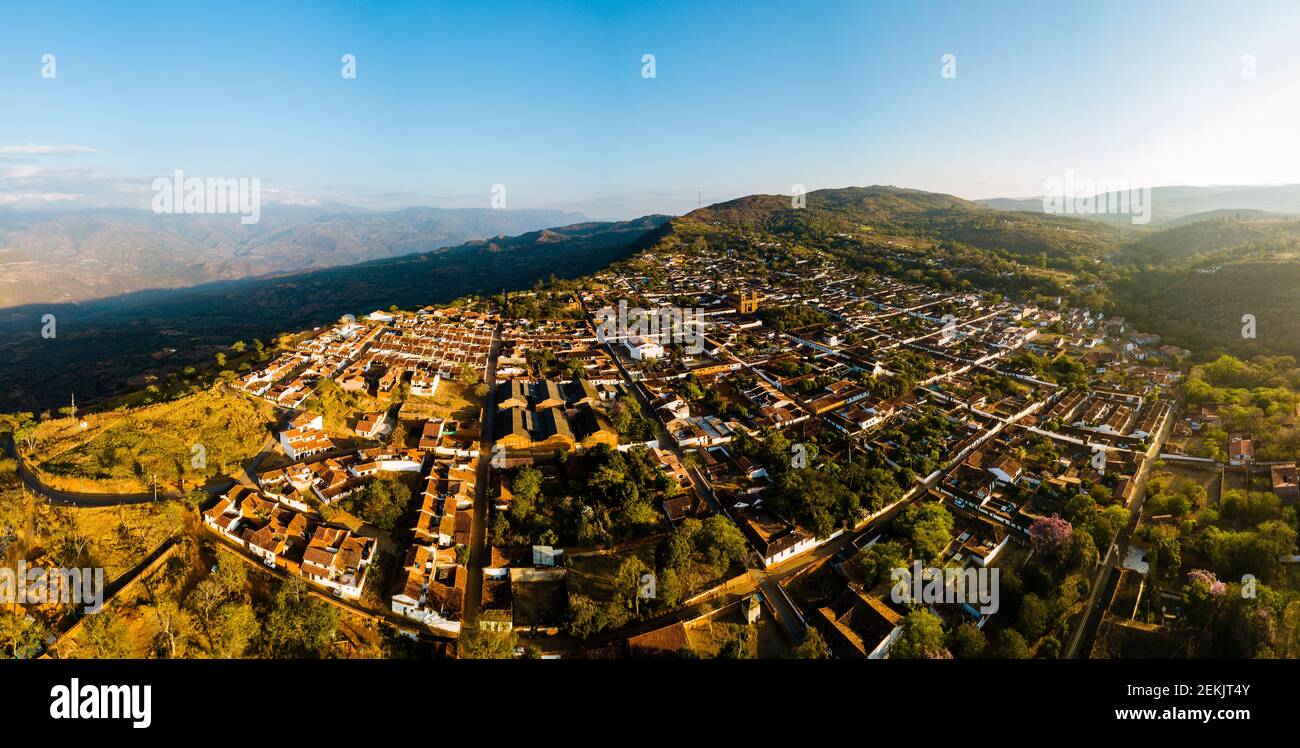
(382, 501)
(603, 496)
(182, 444)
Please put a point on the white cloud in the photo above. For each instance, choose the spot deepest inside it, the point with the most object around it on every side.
(27, 198)
(46, 150)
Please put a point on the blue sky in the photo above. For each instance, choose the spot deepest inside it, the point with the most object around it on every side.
(548, 99)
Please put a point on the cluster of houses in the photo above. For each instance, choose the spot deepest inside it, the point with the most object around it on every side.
(430, 585)
(378, 355)
(557, 347)
(425, 348)
(1017, 444)
(332, 353)
(287, 538)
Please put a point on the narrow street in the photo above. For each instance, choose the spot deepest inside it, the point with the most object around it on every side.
(478, 547)
(1096, 605)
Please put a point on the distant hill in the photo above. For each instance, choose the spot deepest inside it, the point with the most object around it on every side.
(98, 254)
(1173, 203)
(1217, 240)
(1227, 214)
(896, 211)
(108, 346)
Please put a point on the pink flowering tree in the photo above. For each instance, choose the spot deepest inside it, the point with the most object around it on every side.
(1050, 536)
(1206, 580)
(1203, 594)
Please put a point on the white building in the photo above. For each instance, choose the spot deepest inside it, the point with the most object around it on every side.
(642, 348)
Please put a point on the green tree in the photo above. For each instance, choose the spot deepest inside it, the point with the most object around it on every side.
(930, 527)
(921, 638)
(879, 560)
(1031, 620)
(103, 636)
(1011, 646)
(382, 502)
(525, 490)
(20, 636)
(299, 624)
(233, 628)
(968, 642)
(813, 647)
(721, 542)
(485, 644)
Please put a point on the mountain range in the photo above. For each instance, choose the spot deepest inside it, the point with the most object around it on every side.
(1188, 204)
(74, 257)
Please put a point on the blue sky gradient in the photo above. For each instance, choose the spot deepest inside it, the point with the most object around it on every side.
(548, 99)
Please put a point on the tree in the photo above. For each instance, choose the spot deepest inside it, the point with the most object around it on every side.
(921, 638)
(175, 629)
(299, 624)
(22, 426)
(1032, 618)
(103, 636)
(587, 617)
(813, 647)
(525, 489)
(879, 560)
(381, 502)
(485, 644)
(233, 628)
(627, 581)
(20, 635)
(721, 542)
(231, 575)
(930, 527)
(1050, 535)
(968, 642)
(1011, 646)
(668, 588)
(735, 648)
(674, 551)
(499, 529)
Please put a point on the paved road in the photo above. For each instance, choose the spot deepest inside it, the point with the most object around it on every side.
(478, 548)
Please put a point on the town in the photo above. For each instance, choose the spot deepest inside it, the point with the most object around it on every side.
(570, 482)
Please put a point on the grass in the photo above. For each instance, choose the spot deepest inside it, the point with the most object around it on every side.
(592, 574)
(764, 639)
(452, 400)
(118, 451)
(114, 538)
(539, 603)
(340, 409)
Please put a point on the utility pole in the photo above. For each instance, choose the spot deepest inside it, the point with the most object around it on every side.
(73, 407)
